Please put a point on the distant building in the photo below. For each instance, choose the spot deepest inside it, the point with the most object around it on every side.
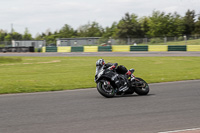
(77, 41)
(29, 43)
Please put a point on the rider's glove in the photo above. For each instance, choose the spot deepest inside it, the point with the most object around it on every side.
(112, 67)
(128, 73)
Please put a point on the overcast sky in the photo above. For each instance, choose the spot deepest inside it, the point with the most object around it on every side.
(40, 15)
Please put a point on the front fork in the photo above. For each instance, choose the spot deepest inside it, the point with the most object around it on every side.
(136, 82)
(106, 84)
(132, 77)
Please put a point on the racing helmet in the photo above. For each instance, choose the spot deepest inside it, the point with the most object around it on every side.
(100, 62)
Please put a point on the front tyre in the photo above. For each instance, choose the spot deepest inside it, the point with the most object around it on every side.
(105, 89)
(141, 87)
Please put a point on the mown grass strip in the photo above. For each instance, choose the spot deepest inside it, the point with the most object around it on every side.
(9, 60)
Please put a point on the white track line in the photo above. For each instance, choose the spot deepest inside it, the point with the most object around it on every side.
(175, 131)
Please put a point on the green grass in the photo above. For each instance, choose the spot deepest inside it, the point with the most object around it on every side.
(189, 42)
(9, 60)
(34, 74)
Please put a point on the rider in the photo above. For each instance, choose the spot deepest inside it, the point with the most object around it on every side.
(120, 69)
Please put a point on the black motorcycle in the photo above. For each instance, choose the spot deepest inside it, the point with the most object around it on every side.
(112, 82)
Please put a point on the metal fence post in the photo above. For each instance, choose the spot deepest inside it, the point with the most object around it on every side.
(165, 40)
(185, 38)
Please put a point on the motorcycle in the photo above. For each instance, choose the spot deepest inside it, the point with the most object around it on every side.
(112, 82)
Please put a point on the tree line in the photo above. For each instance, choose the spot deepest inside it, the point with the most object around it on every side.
(158, 24)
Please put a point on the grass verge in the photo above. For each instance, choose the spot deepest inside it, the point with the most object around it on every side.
(35, 74)
(188, 42)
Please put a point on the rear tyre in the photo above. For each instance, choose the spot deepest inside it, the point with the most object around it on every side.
(141, 88)
(105, 89)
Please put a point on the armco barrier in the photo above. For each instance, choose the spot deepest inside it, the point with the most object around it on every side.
(104, 49)
(51, 49)
(176, 48)
(121, 48)
(139, 48)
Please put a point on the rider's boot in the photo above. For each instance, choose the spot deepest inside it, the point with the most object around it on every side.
(127, 75)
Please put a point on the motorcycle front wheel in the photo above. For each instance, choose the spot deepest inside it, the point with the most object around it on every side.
(105, 89)
(141, 88)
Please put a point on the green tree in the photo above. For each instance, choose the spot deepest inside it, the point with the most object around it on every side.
(158, 24)
(175, 25)
(2, 35)
(129, 27)
(8, 37)
(197, 26)
(38, 37)
(144, 22)
(189, 22)
(16, 36)
(66, 32)
(90, 30)
(110, 31)
(27, 35)
(161, 24)
(50, 39)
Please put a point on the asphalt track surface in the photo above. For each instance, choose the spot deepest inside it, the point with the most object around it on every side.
(103, 54)
(169, 106)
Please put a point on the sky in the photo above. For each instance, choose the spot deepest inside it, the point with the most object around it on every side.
(42, 15)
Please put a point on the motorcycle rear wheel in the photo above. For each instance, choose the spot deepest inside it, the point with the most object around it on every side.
(105, 90)
(142, 88)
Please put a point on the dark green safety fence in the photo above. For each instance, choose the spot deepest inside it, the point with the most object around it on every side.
(51, 49)
(104, 48)
(177, 48)
(76, 49)
(139, 48)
